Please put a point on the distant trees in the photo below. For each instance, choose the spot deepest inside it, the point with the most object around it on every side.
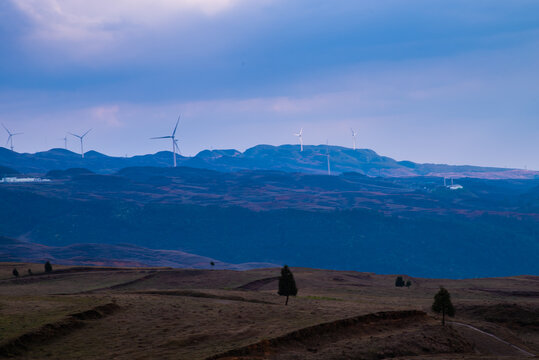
(399, 282)
(287, 284)
(15, 272)
(442, 304)
(48, 267)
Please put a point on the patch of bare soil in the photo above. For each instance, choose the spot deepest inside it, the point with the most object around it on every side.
(373, 336)
(52, 331)
(258, 284)
(509, 315)
(517, 293)
(200, 294)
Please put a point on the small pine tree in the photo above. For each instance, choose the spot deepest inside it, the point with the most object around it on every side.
(408, 283)
(287, 284)
(399, 281)
(212, 264)
(48, 267)
(30, 272)
(442, 304)
(15, 272)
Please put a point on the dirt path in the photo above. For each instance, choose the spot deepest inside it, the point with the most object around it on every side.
(518, 349)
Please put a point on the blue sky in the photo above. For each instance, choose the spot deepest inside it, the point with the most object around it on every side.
(429, 81)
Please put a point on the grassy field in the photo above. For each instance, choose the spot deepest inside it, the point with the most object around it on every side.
(198, 314)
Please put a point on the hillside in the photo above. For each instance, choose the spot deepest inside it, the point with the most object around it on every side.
(261, 157)
(349, 222)
(155, 313)
(111, 255)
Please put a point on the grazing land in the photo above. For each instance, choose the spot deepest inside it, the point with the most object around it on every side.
(140, 313)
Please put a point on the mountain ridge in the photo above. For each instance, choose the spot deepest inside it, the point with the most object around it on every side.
(288, 158)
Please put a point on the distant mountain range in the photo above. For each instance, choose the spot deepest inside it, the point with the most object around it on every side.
(12, 250)
(312, 160)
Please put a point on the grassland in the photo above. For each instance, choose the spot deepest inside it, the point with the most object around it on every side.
(200, 314)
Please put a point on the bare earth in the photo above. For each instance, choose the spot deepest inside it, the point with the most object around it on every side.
(158, 313)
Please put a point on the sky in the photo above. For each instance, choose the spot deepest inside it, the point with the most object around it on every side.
(435, 81)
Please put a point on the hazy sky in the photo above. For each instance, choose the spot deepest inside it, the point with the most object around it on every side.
(429, 81)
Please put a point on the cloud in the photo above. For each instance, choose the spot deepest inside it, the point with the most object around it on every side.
(97, 25)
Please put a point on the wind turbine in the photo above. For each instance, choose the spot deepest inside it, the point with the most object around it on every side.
(65, 141)
(354, 134)
(327, 155)
(174, 140)
(81, 137)
(10, 136)
(300, 136)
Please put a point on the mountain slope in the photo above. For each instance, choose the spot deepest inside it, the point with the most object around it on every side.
(287, 158)
(12, 250)
(351, 221)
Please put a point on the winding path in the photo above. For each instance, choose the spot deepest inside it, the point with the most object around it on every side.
(524, 352)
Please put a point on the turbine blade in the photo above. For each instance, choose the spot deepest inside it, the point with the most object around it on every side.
(4, 126)
(176, 127)
(86, 133)
(161, 137)
(75, 135)
(17, 134)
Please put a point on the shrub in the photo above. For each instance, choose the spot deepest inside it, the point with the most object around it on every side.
(399, 281)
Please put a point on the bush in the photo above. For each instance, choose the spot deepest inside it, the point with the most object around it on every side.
(408, 283)
(399, 281)
(48, 267)
(15, 273)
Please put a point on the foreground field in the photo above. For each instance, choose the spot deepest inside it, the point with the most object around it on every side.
(130, 313)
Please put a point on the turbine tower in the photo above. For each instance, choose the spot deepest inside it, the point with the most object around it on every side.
(300, 136)
(174, 141)
(65, 142)
(354, 134)
(81, 137)
(327, 154)
(10, 136)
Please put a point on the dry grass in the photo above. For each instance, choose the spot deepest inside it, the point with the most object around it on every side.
(194, 314)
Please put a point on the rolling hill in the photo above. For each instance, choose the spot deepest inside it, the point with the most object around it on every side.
(410, 225)
(261, 157)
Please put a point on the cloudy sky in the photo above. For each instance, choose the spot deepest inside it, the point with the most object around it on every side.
(424, 80)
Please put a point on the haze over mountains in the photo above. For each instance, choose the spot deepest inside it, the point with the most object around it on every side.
(287, 158)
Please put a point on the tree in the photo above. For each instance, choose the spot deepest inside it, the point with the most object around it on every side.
(48, 267)
(15, 272)
(287, 284)
(442, 304)
(399, 282)
(212, 264)
(408, 283)
(30, 272)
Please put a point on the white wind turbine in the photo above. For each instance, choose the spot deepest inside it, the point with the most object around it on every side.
(81, 138)
(354, 134)
(10, 136)
(65, 141)
(327, 155)
(300, 136)
(174, 141)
